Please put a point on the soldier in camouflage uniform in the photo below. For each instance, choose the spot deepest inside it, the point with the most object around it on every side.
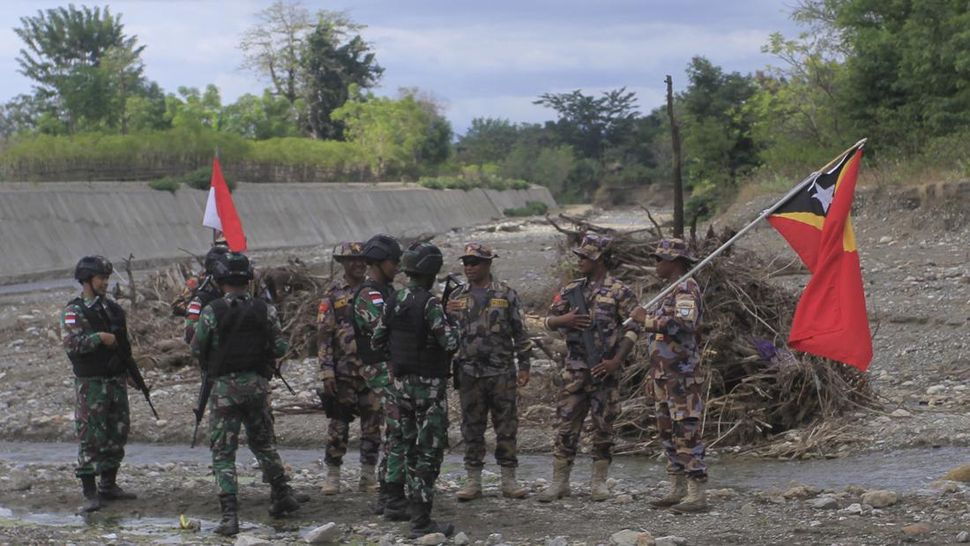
(90, 324)
(202, 282)
(675, 380)
(237, 340)
(589, 386)
(382, 254)
(416, 333)
(205, 291)
(345, 392)
(493, 339)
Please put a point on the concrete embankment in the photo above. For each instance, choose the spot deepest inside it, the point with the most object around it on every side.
(44, 228)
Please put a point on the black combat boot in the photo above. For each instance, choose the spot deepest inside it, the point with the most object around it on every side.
(229, 525)
(89, 488)
(109, 489)
(378, 507)
(422, 524)
(281, 498)
(396, 505)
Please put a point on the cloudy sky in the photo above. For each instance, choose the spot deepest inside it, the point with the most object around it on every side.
(479, 58)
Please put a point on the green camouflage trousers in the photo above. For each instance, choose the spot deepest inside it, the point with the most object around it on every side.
(679, 407)
(353, 394)
(101, 422)
(384, 387)
(241, 399)
(480, 396)
(419, 441)
(579, 396)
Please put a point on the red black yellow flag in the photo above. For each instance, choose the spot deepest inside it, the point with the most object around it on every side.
(830, 319)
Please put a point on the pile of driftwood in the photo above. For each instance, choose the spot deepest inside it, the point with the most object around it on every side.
(756, 388)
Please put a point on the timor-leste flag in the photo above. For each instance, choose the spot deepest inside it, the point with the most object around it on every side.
(830, 319)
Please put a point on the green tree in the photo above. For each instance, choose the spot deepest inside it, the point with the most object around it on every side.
(488, 140)
(592, 124)
(193, 109)
(260, 118)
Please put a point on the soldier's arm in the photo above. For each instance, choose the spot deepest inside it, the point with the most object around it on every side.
(558, 308)
(280, 344)
(192, 313)
(326, 327)
(441, 329)
(77, 335)
(684, 318)
(368, 308)
(626, 303)
(380, 337)
(203, 333)
(522, 345)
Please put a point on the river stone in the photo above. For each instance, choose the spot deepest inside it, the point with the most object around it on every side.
(432, 539)
(251, 540)
(386, 540)
(671, 541)
(800, 492)
(854, 508)
(623, 499)
(880, 498)
(959, 474)
(461, 539)
(325, 534)
(824, 503)
(963, 537)
(629, 537)
(916, 529)
(493, 539)
(901, 413)
(558, 541)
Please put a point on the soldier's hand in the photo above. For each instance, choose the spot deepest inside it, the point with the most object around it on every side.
(108, 339)
(453, 306)
(329, 387)
(522, 378)
(639, 314)
(605, 368)
(576, 321)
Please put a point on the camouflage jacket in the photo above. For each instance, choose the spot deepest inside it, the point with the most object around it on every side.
(609, 305)
(77, 335)
(337, 346)
(434, 314)
(207, 331)
(491, 334)
(675, 324)
(368, 308)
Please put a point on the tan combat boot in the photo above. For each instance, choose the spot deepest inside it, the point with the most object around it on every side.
(367, 483)
(678, 491)
(597, 483)
(559, 486)
(331, 485)
(473, 485)
(510, 487)
(696, 499)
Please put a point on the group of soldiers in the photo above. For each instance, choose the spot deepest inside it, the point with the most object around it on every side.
(386, 356)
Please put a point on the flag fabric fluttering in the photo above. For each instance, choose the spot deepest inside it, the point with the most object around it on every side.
(220, 212)
(830, 319)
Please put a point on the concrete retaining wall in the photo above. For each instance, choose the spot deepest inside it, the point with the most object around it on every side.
(46, 227)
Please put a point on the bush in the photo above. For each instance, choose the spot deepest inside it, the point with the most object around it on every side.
(531, 208)
(472, 179)
(165, 184)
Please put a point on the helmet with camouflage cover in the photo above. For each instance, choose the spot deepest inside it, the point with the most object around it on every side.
(422, 259)
(382, 247)
(89, 266)
(235, 268)
(479, 250)
(348, 249)
(672, 248)
(593, 246)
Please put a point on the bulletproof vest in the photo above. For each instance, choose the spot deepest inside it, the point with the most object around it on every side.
(101, 362)
(366, 353)
(244, 338)
(413, 351)
(207, 292)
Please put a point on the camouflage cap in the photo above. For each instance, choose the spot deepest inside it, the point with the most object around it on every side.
(672, 248)
(593, 246)
(479, 250)
(348, 249)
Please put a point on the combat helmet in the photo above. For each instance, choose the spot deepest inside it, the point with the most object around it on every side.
(89, 266)
(422, 259)
(216, 254)
(234, 268)
(382, 247)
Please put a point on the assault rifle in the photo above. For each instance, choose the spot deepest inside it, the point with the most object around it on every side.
(452, 283)
(577, 301)
(124, 353)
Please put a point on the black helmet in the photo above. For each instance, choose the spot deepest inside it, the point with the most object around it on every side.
(216, 254)
(89, 266)
(234, 267)
(422, 259)
(382, 247)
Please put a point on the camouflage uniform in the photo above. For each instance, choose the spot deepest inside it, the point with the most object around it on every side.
(493, 337)
(675, 379)
(609, 303)
(101, 414)
(338, 360)
(240, 399)
(417, 444)
(200, 295)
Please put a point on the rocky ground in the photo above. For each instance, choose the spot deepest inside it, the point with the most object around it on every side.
(918, 287)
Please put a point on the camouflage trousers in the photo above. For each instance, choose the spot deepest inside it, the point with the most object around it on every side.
(679, 407)
(480, 396)
(101, 422)
(419, 441)
(241, 399)
(353, 395)
(579, 395)
(379, 380)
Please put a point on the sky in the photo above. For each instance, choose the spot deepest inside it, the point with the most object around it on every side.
(484, 58)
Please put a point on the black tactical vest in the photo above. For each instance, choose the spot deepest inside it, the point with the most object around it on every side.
(207, 292)
(367, 353)
(101, 362)
(413, 349)
(244, 337)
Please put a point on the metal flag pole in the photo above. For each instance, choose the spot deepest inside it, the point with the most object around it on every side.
(764, 214)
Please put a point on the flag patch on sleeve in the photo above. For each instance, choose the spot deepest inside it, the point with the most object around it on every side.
(376, 298)
(70, 318)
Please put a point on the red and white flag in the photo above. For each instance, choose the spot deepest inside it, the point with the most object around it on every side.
(220, 212)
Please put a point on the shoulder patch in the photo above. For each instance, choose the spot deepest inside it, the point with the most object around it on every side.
(70, 317)
(685, 308)
(375, 297)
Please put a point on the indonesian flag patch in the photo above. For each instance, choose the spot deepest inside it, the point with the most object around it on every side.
(376, 298)
(195, 308)
(70, 318)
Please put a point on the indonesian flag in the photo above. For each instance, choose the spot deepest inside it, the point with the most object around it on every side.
(220, 212)
(830, 319)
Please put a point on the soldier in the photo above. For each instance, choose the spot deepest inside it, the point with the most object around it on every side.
(415, 330)
(589, 382)
(675, 380)
(345, 392)
(204, 292)
(238, 338)
(382, 253)
(90, 324)
(493, 337)
(201, 282)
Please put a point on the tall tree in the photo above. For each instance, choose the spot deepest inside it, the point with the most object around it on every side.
(593, 124)
(488, 140)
